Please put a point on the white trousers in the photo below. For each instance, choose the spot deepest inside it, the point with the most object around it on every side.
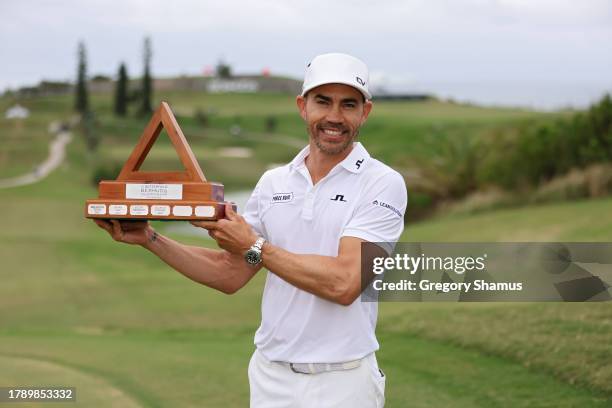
(275, 385)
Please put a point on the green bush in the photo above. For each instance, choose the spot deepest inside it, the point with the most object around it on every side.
(420, 205)
(537, 153)
(105, 171)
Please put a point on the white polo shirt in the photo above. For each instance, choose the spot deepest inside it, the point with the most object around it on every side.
(360, 197)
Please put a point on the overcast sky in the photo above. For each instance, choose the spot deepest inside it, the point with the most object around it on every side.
(497, 50)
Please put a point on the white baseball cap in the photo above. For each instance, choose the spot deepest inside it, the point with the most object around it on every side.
(336, 68)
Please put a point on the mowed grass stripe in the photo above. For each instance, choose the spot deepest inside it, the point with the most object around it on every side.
(426, 373)
(208, 369)
(160, 370)
(570, 341)
(91, 391)
(586, 220)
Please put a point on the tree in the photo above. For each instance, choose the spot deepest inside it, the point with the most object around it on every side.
(121, 92)
(147, 88)
(81, 103)
(223, 70)
(271, 124)
(92, 139)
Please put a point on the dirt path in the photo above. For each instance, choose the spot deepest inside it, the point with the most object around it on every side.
(57, 152)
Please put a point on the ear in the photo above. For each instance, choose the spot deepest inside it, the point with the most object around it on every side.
(301, 104)
(367, 108)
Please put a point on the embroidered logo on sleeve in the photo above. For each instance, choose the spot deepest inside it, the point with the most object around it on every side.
(278, 198)
(388, 206)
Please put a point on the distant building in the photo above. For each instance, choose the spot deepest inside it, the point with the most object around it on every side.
(402, 97)
(17, 112)
(218, 85)
(208, 84)
(236, 83)
(45, 88)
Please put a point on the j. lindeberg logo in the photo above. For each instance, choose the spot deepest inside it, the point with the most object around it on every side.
(388, 206)
(282, 198)
(339, 197)
(358, 163)
(360, 81)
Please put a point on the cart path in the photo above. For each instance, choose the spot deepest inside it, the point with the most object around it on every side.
(57, 153)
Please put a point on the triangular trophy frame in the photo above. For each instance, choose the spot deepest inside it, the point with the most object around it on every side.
(162, 118)
(159, 195)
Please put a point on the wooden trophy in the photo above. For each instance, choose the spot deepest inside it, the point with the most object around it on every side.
(165, 195)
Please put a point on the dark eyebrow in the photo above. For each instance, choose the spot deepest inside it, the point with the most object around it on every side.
(328, 99)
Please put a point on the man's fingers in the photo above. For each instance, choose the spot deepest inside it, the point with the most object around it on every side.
(105, 225)
(218, 235)
(230, 214)
(209, 225)
(117, 232)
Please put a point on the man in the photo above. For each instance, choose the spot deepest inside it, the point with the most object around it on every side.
(305, 222)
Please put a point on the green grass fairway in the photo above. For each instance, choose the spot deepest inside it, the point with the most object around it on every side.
(93, 390)
(96, 312)
(589, 220)
(78, 309)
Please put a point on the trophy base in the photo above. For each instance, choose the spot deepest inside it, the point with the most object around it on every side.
(155, 210)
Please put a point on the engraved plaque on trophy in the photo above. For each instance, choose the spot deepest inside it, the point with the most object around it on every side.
(159, 195)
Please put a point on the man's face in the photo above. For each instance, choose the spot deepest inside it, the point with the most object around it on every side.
(333, 114)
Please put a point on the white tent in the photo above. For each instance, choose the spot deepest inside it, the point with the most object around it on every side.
(17, 112)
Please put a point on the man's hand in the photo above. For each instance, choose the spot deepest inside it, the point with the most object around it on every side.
(129, 232)
(232, 233)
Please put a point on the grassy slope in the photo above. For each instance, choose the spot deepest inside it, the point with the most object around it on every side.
(24, 143)
(94, 312)
(395, 132)
(129, 322)
(566, 221)
(570, 340)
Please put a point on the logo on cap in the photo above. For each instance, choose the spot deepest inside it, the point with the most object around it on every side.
(361, 81)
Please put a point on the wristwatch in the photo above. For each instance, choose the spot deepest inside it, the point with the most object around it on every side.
(253, 255)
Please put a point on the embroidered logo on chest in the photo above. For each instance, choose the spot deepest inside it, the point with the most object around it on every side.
(278, 198)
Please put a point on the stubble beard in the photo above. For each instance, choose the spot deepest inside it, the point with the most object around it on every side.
(336, 148)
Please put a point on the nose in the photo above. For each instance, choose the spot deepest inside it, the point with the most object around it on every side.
(334, 115)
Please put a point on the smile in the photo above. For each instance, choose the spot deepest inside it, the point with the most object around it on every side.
(332, 132)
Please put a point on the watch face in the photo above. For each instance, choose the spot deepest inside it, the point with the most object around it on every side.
(253, 257)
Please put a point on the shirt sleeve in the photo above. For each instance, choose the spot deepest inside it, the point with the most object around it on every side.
(252, 210)
(379, 217)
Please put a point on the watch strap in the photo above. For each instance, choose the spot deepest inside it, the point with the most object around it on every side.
(259, 243)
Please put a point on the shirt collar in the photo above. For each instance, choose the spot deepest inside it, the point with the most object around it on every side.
(299, 160)
(357, 158)
(354, 162)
